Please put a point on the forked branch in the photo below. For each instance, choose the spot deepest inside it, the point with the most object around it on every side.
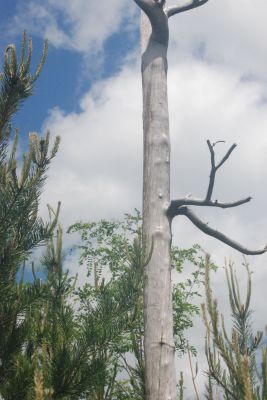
(214, 167)
(208, 202)
(180, 206)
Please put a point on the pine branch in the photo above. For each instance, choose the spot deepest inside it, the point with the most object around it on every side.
(17, 82)
(239, 378)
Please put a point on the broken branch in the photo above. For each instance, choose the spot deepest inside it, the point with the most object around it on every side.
(214, 167)
(175, 204)
(149, 6)
(204, 227)
(188, 5)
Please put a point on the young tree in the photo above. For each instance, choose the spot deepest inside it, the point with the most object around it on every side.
(233, 360)
(60, 344)
(21, 229)
(158, 210)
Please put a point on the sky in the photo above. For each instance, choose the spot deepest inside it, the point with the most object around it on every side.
(89, 93)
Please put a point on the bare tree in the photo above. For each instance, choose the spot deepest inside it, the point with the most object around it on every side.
(158, 210)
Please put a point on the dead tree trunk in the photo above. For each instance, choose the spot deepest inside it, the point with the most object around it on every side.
(158, 210)
(159, 344)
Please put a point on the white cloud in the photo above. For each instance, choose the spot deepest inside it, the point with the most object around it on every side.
(78, 25)
(98, 169)
(102, 143)
(207, 102)
(224, 31)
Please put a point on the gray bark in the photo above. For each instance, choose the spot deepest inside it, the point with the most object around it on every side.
(158, 211)
(159, 343)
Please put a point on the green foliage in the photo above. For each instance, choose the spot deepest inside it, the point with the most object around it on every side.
(111, 303)
(54, 360)
(233, 368)
(113, 298)
(181, 387)
(17, 82)
(21, 230)
(20, 227)
(61, 342)
(183, 293)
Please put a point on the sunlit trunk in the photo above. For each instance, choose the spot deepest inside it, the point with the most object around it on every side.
(159, 343)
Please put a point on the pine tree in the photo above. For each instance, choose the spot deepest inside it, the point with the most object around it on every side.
(59, 340)
(233, 362)
(21, 229)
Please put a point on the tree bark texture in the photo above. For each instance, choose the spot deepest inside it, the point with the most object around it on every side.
(159, 343)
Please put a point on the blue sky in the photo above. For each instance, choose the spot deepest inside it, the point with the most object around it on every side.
(54, 77)
(90, 94)
(64, 78)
